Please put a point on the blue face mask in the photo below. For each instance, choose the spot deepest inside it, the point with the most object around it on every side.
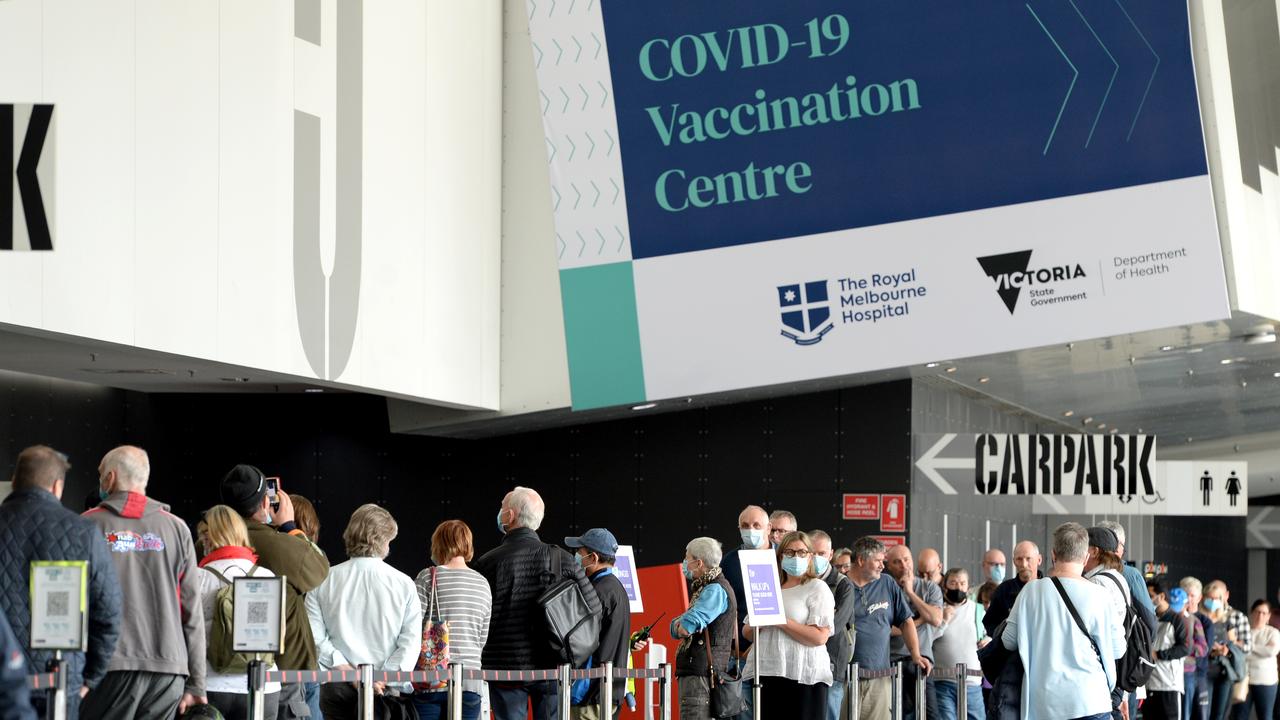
(752, 537)
(103, 494)
(582, 560)
(795, 567)
(684, 568)
(1213, 604)
(820, 564)
(501, 528)
(997, 574)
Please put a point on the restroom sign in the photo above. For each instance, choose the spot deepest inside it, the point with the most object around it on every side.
(893, 513)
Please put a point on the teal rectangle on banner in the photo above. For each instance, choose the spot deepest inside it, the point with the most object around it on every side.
(602, 333)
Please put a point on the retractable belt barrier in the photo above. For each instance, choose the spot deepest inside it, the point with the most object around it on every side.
(44, 681)
(894, 674)
(365, 676)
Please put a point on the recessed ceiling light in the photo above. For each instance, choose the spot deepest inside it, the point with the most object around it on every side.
(1115, 430)
(1276, 375)
(313, 390)
(951, 369)
(1166, 348)
(1102, 426)
(1087, 421)
(645, 406)
(984, 380)
(235, 379)
(1069, 413)
(1193, 351)
(932, 364)
(1225, 361)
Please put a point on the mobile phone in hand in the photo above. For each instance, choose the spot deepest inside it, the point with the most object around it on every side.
(273, 487)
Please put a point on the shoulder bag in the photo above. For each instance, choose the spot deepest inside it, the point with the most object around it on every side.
(434, 654)
(573, 630)
(726, 690)
(1071, 608)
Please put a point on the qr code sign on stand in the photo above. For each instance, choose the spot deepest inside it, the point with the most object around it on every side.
(58, 604)
(258, 613)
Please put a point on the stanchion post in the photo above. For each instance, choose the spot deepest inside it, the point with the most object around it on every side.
(855, 698)
(897, 691)
(606, 692)
(566, 690)
(664, 692)
(455, 691)
(755, 687)
(257, 688)
(364, 692)
(58, 693)
(921, 685)
(962, 691)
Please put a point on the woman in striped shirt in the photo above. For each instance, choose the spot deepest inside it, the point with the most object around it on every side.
(464, 601)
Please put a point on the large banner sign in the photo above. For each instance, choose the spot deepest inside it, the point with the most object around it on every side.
(1182, 487)
(752, 192)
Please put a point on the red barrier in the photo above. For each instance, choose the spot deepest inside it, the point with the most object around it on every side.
(664, 590)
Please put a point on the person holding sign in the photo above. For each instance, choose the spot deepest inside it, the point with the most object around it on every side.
(712, 618)
(795, 670)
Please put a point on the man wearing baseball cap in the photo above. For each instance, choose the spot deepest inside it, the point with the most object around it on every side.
(596, 551)
(1170, 644)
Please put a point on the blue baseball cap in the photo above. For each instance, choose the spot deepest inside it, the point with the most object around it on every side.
(596, 540)
(1177, 599)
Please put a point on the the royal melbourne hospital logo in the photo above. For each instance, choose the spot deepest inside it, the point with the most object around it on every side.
(806, 311)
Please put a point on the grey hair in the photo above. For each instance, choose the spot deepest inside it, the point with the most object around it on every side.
(842, 551)
(370, 532)
(1114, 527)
(777, 515)
(1070, 543)
(528, 507)
(708, 550)
(1192, 584)
(816, 535)
(865, 547)
(131, 465)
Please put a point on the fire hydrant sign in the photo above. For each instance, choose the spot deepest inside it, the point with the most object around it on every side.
(861, 507)
(756, 192)
(893, 513)
(763, 588)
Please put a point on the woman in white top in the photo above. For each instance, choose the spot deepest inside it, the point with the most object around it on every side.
(1262, 663)
(795, 670)
(957, 642)
(229, 557)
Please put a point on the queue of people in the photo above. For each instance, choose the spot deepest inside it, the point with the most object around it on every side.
(1081, 642)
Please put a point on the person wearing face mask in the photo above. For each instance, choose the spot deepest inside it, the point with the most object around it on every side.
(840, 646)
(712, 616)
(596, 551)
(1169, 646)
(1232, 641)
(753, 529)
(795, 669)
(517, 571)
(1195, 675)
(993, 569)
(957, 642)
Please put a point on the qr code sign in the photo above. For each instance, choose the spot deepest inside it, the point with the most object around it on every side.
(257, 613)
(58, 604)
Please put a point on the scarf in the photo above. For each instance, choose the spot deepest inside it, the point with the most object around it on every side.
(698, 586)
(229, 552)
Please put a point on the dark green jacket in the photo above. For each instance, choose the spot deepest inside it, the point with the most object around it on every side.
(304, 567)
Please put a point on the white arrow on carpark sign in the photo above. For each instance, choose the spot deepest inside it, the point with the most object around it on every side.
(1263, 534)
(931, 464)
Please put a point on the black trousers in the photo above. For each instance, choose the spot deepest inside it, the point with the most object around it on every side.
(134, 695)
(1162, 705)
(785, 698)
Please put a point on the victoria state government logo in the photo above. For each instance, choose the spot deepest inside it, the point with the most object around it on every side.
(1011, 272)
(806, 311)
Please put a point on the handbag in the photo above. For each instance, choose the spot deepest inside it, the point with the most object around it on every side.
(1240, 691)
(394, 707)
(726, 690)
(434, 654)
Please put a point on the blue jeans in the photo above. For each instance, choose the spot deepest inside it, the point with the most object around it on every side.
(748, 695)
(510, 701)
(311, 691)
(1219, 697)
(435, 705)
(1190, 683)
(948, 705)
(1262, 698)
(1099, 716)
(835, 696)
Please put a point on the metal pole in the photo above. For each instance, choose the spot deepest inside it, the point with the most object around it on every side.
(58, 693)
(566, 694)
(897, 691)
(962, 691)
(606, 692)
(455, 691)
(664, 692)
(257, 686)
(364, 692)
(921, 685)
(755, 682)
(855, 699)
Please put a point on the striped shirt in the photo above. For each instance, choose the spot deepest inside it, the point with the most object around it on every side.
(463, 600)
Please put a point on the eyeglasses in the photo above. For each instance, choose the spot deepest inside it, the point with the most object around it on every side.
(843, 567)
(777, 532)
(796, 553)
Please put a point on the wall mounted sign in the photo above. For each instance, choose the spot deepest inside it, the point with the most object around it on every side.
(749, 193)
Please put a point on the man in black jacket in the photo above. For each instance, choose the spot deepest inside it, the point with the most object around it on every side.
(597, 551)
(1026, 562)
(35, 526)
(839, 647)
(518, 571)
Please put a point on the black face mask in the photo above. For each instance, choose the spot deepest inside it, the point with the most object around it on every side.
(955, 597)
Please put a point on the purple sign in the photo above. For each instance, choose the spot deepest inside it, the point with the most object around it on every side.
(764, 594)
(626, 573)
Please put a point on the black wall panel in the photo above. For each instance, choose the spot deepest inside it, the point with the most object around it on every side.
(1209, 548)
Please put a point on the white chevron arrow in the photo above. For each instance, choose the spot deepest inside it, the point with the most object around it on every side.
(930, 464)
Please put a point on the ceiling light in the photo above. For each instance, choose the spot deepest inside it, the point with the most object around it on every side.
(1087, 421)
(1069, 413)
(984, 380)
(1225, 361)
(1166, 348)
(933, 364)
(1102, 426)
(951, 369)
(1115, 430)
(645, 406)
(235, 379)
(1276, 375)
(313, 390)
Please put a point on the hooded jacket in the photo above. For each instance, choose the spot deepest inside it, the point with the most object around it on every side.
(304, 568)
(162, 623)
(35, 526)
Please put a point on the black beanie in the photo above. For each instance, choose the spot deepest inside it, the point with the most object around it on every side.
(243, 488)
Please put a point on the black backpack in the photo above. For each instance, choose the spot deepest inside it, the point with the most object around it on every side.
(1134, 668)
(573, 629)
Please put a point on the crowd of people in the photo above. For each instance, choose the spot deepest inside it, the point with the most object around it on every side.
(1092, 639)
